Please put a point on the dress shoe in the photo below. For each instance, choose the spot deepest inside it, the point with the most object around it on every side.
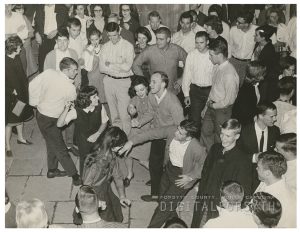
(9, 153)
(76, 180)
(149, 198)
(148, 183)
(127, 180)
(56, 173)
(74, 151)
(25, 143)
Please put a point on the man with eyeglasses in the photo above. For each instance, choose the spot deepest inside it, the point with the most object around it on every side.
(183, 161)
(241, 43)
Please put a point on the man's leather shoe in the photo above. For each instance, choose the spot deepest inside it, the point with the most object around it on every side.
(25, 143)
(148, 183)
(74, 151)
(149, 198)
(56, 173)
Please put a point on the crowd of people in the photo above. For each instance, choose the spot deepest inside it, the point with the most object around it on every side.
(211, 106)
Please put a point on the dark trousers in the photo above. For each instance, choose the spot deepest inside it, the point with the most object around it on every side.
(198, 96)
(56, 148)
(169, 198)
(46, 46)
(156, 160)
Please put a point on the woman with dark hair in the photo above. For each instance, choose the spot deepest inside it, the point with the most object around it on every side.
(264, 52)
(217, 10)
(99, 14)
(129, 17)
(138, 109)
(143, 37)
(91, 120)
(244, 107)
(16, 91)
(214, 28)
(101, 168)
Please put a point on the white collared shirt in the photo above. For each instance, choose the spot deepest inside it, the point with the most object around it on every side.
(50, 19)
(242, 43)
(177, 151)
(258, 133)
(198, 70)
(78, 44)
(159, 99)
(186, 41)
(50, 91)
(287, 198)
(59, 56)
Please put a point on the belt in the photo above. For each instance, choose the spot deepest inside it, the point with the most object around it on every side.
(241, 59)
(114, 77)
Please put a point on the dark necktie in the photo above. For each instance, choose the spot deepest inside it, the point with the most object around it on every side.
(261, 144)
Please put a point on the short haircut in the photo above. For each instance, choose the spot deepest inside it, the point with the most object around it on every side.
(246, 14)
(164, 30)
(153, 14)
(145, 32)
(202, 34)
(286, 62)
(190, 127)
(186, 15)
(62, 32)
(219, 45)
(286, 85)
(175, 222)
(255, 69)
(267, 208)
(263, 106)
(163, 76)
(74, 22)
(83, 97)
(12, 43)
(232, 124)
(137, 80)
(31, 214)
(94, 32)
(289, 141)
(112, 26)
(87, 200)
(215, 23)
(66, 63)
(265, 31)
(273, 161)
(218, 9)
(233, 192)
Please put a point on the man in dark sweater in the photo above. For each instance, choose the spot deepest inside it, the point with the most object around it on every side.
(225, 161)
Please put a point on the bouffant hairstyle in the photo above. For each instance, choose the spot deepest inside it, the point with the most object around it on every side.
(83, 97)
(11, 44)
(137, 80)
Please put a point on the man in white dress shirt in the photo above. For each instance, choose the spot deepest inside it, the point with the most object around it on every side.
(49, 92)
(197, 76)
(271, 167)
(116, 58)
(154, 23)
(241, 42)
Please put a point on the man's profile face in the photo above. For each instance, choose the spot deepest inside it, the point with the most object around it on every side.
(162, 41)
(214, 57)
(62, 43)
(156, 83)
(228, 137)
(72, 72)
(269, 118)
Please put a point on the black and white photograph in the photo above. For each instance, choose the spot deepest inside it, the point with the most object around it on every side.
(150, 115)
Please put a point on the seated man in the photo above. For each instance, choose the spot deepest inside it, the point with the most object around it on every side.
(231, 215)
(87, 204)
(270, 169)
(266, 210)
(31, 214)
